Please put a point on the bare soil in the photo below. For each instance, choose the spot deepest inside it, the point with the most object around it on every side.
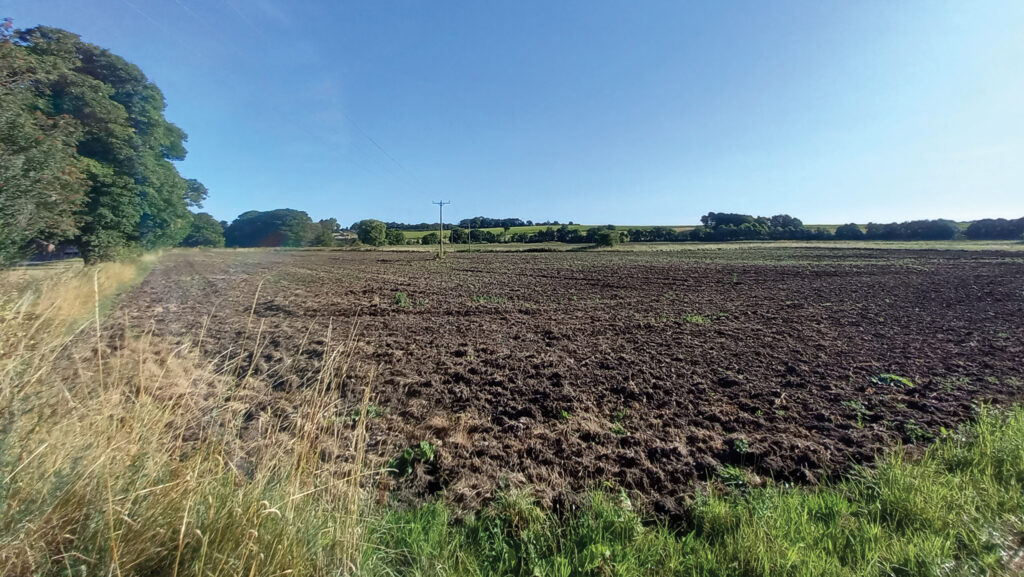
(650, 371)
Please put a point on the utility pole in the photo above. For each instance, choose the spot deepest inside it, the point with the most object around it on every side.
(440, 226)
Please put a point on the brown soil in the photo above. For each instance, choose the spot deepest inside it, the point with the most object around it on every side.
(651, 371)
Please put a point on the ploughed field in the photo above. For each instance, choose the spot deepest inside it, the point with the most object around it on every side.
(649, 370)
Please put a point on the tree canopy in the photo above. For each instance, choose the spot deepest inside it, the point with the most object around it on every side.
(88, 154)
(205, 231)
(280, 227)
(371, 232)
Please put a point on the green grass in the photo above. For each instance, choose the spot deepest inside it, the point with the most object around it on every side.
(955, 511)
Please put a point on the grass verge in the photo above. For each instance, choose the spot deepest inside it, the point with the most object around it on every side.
(956, 510)
(144, 458)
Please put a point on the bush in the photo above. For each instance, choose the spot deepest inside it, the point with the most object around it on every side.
(430, 238)
(372, 232)
(849, 232)
(395, 237)
(459, 235)
(607, 238)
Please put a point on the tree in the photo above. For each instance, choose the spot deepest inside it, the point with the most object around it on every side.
(785, 221)
(849, 232)
(322, 232)
(133, 195)
(458, 235)
(395, 237)
(205, 231)
(605, 237)
(430, 238)
(196, 193)
(716, 219)
(913, 230)
(372, 232)
(42, 183)
(995, 229)
(281, 227)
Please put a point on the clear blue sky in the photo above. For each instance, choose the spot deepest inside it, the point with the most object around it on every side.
(621, 112)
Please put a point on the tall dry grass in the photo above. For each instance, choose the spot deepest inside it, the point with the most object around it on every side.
(125, 454)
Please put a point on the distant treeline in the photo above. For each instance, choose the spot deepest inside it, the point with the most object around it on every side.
(475, 222)
(719, 227)
(724, 227)
(294, 228)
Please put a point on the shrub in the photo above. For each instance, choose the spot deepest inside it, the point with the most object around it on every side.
(849, 232)
(395, 237)
(372, 232)
(606, 238)
(430, 238)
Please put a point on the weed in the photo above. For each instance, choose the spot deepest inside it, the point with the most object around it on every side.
(950, 384)
(619, 430)
(733, 477)
(489, 299)
(564, 415)
(372, 412)
(892, 380)
(741, 446)
(695, 319)
(404, 465)
(915, 432)
(403, 300)
(859, 410)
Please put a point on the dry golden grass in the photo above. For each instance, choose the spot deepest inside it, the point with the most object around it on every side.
(130, 455)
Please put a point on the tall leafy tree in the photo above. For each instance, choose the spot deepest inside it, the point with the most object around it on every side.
(281, 227)
(205, 231)
(322, 232)
(135, 197)
(372, 232)
(42, 180)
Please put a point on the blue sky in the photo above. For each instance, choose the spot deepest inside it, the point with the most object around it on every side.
(596, 112)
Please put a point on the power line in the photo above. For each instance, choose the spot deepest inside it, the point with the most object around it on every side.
(379, 147)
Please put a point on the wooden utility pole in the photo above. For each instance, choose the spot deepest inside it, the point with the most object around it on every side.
(440, 226)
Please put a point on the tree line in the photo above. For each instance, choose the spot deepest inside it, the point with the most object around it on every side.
(286, 227)
(725, 227)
